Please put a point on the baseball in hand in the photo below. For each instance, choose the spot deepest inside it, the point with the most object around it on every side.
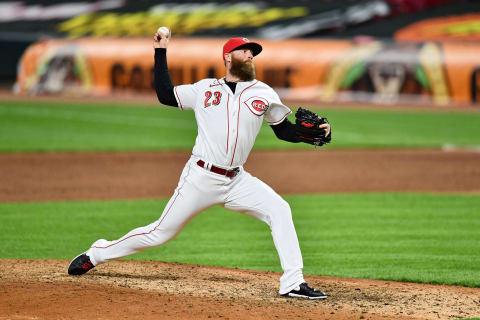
(164, 31)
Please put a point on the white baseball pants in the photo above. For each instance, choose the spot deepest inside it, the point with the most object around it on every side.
(199, 189)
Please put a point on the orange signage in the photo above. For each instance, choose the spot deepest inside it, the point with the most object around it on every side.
(308, 70)
(462, 27)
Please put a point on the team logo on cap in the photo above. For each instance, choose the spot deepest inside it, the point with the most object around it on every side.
(245, 40)
(257, 105)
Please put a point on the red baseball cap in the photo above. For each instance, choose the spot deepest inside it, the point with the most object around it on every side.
(236, 43)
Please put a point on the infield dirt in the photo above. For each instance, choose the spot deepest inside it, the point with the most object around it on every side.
(133, 175)
(41, 289)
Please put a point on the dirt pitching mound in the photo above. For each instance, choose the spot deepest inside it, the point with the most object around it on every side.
(41, 289)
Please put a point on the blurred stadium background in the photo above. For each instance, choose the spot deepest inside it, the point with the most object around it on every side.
(380, 51)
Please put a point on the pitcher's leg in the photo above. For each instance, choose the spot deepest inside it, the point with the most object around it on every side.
(186, 202)
(251, 196)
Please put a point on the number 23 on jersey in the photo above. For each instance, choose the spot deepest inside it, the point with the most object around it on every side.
(216, 98)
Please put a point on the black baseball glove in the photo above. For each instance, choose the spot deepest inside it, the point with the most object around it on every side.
(307, 128)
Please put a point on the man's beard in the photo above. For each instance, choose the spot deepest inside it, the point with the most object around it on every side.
(245, 71)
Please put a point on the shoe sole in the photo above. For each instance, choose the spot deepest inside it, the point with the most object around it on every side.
(293, 295)
(71, 264)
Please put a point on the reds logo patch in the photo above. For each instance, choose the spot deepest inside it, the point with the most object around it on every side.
(257, 105)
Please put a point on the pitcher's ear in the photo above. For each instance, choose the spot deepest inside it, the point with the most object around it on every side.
(227, 57)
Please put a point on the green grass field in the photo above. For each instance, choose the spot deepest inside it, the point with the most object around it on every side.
(408, 237)
(56, 126)
(430, 238)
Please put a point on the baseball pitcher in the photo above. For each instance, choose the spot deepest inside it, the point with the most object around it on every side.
(229, 114)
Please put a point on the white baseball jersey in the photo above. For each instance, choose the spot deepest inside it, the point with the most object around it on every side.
(228, 123)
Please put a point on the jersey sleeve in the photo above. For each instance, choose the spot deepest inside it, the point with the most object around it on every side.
(186, 95)
(277, 111)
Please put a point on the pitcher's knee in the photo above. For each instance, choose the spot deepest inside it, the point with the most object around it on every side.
(281, 210)
(284, 206)
(161, 235)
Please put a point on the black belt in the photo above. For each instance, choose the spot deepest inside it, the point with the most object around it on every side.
(228, 173)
